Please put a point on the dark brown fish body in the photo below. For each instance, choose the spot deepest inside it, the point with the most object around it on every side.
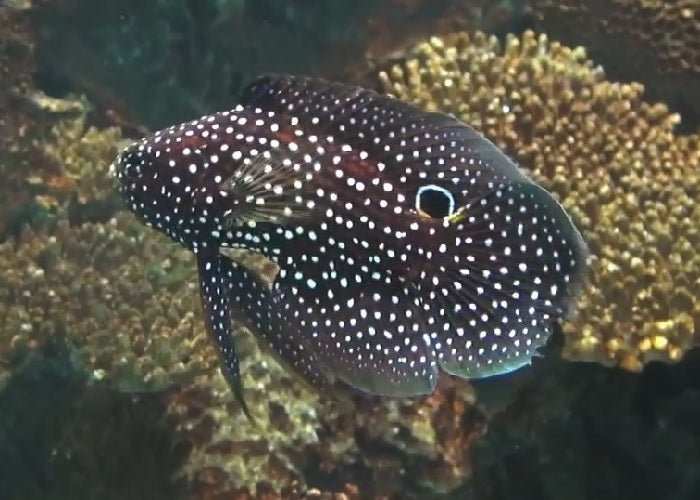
(407, 243)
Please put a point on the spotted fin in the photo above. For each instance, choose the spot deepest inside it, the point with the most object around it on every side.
(413, 146)
(266, 188)
(371, 336)
(261, 308)
(214, 274)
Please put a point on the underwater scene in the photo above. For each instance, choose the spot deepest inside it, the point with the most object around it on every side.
(379, 249)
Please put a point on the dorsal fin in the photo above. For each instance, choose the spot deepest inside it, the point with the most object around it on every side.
(413, 146)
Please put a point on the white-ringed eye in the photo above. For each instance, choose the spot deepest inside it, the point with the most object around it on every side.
(435, 201)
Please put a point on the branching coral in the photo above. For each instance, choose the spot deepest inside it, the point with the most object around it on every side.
(630, 183)
(90, 284)
(651, 41)
(83, 152)
(54, 164)
(126, 301)
(50, 162)
(16, 150)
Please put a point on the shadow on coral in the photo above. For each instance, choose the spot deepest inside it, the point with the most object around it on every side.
(62, 438)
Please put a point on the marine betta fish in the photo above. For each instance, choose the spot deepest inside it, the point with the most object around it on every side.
(407, 243)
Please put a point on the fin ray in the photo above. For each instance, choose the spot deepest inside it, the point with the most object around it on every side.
(264, 189)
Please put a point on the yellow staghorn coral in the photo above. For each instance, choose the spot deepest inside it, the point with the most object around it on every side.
(656, 42)
(82, 152)
(113, 290)
(126, 300)
(631, 185)
(108, 288)
(54, 164)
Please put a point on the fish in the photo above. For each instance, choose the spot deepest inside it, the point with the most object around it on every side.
(407, 244)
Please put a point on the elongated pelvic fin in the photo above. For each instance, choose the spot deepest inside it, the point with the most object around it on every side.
(262, 306)
(213, 273)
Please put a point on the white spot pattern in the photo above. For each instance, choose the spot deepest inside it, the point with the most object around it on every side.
(323, 179)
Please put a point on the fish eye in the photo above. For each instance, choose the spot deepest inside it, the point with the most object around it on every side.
(435, 201)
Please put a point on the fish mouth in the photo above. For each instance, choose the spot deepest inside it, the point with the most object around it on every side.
(130, 164)
(118, 168)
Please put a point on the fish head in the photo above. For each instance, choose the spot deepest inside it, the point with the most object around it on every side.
(134, 171)
(166, 181)
(145, 181)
